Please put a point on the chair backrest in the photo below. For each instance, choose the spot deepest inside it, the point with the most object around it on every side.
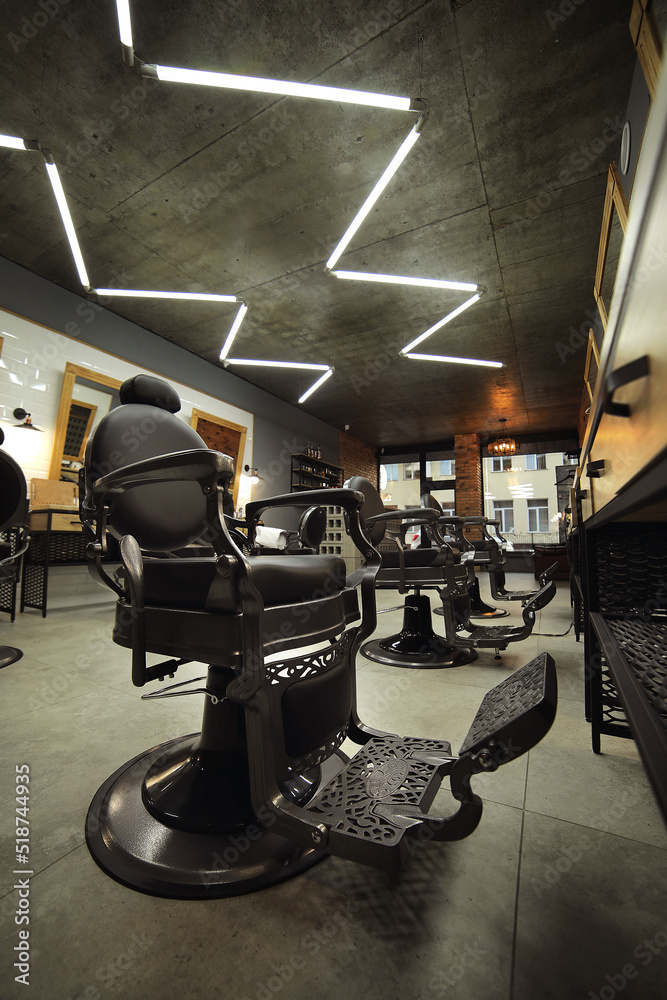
(372, 505)
(161, 516)
(13, 494)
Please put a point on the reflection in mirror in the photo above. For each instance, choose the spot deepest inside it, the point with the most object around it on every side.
(86, 396)
(225, 436)
(611, 261)
(614, 224)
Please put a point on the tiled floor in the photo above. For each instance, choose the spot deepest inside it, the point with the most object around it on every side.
(560, 893)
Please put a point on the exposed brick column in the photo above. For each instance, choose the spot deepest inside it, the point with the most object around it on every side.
(357, 458)
(469, 499)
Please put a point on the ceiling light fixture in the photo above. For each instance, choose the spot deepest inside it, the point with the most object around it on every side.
(395, 279)
(454, 361)
(284, 88)
(503, 445)
(13, 142)
(233, 331)
(316, 385)
(144, 294)
(276, 364)
(398, 158)
(439, 325)
(65, 215)
(125, 29)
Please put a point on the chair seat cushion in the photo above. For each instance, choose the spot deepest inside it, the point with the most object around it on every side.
(413, 557)
(196, 583)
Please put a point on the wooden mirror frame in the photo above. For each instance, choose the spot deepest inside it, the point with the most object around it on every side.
(71, 372)
(198, 415)
(615, 200)
(592, 353)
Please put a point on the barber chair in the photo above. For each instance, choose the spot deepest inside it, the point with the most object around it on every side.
(304, 539)
(458, 617)
(496, 548)
(457, 539)
(14, 522)
(264, 790)
(409, 571)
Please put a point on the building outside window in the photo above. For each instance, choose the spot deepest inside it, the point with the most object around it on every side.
(503, 511)
(411, 470)
(534, 462)
(392, 473)
(538, 515)
(502, 464)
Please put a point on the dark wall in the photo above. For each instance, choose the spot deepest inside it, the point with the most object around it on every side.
(279, 427)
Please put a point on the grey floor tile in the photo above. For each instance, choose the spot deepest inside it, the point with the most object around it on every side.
(592, 919)
(443, 926)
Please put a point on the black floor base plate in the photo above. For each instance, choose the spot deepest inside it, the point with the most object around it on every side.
(430, 653)
(9, 654)
(139, 851)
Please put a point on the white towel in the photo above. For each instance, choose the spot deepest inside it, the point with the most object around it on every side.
(270, 538)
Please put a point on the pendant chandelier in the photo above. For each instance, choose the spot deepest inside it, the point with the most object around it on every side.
(502, 445)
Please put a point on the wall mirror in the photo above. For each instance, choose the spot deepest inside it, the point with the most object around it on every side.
(614, 224)
(85, 397)
(225, 436)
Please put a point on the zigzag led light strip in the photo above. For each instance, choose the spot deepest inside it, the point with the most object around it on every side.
(328, 370)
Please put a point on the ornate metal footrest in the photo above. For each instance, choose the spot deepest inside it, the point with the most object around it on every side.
(375, 809)
(383, 792)
(516, 595)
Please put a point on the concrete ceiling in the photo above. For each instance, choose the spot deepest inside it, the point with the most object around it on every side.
(199, 189)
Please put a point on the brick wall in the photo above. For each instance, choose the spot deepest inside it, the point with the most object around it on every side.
(357, 458)
(469, 499)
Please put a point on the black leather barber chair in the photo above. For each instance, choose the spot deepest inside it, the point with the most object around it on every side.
(478, 608)
(409, 571)
(15, 538)
(496, 548)
(458, 618)
(264, 790)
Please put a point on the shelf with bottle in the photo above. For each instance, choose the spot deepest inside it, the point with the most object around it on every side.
(311, 473)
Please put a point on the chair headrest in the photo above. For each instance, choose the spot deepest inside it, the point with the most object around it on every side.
(151, 390)
(428, 500)
(372, 505)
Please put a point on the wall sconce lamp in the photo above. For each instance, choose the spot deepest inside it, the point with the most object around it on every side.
(20, 414)
(251, 474)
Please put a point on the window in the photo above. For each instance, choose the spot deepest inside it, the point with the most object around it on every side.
(538, 515)
(441, 470)
(411, 470)
(449, 512)
(534, 462)
(392, 473)
(502, 464)
(503, 511)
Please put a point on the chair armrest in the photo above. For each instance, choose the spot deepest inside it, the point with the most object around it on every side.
(349, 500)
(197, 465)
(418, 515)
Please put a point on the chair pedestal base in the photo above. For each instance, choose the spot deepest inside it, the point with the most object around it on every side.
(417, 645)
(143, 852)
(9, 654)
(478, 607)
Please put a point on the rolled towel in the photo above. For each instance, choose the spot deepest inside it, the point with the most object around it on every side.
(270, 538)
